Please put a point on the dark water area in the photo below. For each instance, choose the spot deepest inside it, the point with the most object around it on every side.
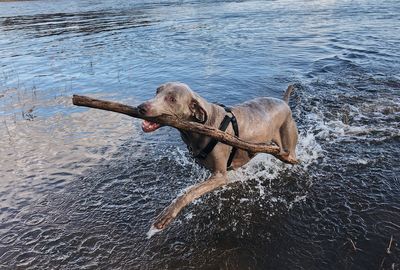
(80, 188)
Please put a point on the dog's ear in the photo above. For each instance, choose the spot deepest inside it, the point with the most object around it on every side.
(198, 112)
(160, 88)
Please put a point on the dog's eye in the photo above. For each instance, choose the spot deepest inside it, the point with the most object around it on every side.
(170, 99)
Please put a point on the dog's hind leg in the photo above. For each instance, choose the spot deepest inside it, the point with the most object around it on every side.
(289, 137)
(169, 213)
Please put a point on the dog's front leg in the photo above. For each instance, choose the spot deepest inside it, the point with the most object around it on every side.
(192, 193)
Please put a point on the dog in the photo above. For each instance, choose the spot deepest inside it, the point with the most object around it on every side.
(259, 120)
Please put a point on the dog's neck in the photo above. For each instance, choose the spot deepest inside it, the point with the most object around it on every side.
(194, 141)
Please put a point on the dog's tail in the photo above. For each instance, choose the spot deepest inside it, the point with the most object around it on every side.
(287, 93)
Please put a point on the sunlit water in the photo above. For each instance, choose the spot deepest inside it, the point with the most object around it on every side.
(80, 188)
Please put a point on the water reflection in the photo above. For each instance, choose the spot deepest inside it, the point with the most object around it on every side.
(92, 22)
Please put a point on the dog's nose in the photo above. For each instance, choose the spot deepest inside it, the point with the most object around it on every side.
(143, 108)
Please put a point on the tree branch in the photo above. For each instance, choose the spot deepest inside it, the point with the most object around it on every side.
(168, 120)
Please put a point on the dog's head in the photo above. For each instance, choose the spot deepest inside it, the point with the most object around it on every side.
(175, 99)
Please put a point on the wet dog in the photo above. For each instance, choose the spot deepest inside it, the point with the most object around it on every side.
(259, 120)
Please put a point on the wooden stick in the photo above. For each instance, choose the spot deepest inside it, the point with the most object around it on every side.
(168, 120)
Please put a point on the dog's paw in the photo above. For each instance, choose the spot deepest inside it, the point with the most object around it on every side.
(165, 218)
(288, 158)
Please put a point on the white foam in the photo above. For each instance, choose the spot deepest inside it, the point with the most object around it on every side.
(308, 149)
(333, 129)
(180, 157)
(189, 216)
(362, 161)
(152, 231)
(297, 199)
(265, 166)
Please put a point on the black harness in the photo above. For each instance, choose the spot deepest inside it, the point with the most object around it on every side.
(223, 126)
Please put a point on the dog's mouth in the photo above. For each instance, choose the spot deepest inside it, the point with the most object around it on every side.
(148, 126)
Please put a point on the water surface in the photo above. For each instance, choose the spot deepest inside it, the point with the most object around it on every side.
(79, 188)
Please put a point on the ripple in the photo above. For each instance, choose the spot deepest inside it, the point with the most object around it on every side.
(31, 237)
(34, 220)
(178, 246)
(8, 238)
(78, 214)
(80, 188)
(121, 229)
(26, 259)
(61, 219)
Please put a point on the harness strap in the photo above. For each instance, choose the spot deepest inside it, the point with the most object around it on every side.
(223, 126)
(236, 130)
(210, 146)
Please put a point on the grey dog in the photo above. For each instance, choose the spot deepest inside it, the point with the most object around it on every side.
(258, 120)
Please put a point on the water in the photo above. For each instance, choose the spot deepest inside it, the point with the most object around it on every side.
(80, 188)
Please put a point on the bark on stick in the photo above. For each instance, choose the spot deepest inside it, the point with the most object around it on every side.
(168, 120)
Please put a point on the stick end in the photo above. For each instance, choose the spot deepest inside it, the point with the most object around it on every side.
(75, 99)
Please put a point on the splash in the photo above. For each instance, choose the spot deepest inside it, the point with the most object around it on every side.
(356, 119)
(265, 166)
(152, 231)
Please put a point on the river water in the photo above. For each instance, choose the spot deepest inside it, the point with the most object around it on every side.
(79, 188)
